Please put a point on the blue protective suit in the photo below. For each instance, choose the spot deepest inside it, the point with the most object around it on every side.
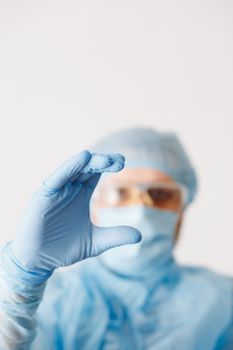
(90, 307)
(134, 297)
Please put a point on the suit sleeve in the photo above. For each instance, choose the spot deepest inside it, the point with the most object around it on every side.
(20, 295)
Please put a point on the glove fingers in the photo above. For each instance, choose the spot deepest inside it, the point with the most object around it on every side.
(91, 180)
(104, 238)
(82, 166)
(68, 170)
(100, 163)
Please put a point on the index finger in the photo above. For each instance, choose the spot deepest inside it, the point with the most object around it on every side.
(100, 163)
(68, 170)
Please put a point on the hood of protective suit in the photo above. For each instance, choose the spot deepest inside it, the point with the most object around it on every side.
(146, 148)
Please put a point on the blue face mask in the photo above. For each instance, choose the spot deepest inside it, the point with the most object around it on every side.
(157, 228)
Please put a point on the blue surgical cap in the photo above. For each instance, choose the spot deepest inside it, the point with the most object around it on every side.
(148, 148)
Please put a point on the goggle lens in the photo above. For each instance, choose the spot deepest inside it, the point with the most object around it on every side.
(163, 196)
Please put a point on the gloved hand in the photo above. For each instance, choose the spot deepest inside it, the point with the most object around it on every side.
(56, 229)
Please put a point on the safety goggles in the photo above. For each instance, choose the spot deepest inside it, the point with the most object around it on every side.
(167, 196)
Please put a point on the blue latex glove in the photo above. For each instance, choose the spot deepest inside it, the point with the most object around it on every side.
(56, 229)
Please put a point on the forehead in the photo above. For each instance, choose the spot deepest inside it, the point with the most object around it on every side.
(138, 176)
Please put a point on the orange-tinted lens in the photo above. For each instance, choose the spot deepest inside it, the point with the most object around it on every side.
(170, 198)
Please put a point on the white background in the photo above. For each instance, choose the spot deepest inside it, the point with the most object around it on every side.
(71, 71)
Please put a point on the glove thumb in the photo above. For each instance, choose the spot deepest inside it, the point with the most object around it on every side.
(104, 238)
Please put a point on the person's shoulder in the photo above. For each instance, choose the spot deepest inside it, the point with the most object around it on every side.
(206, 280)
(205, 274)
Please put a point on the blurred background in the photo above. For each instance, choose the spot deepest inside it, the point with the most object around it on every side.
(72, 71)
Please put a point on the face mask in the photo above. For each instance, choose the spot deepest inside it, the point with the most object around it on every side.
(157, 228)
